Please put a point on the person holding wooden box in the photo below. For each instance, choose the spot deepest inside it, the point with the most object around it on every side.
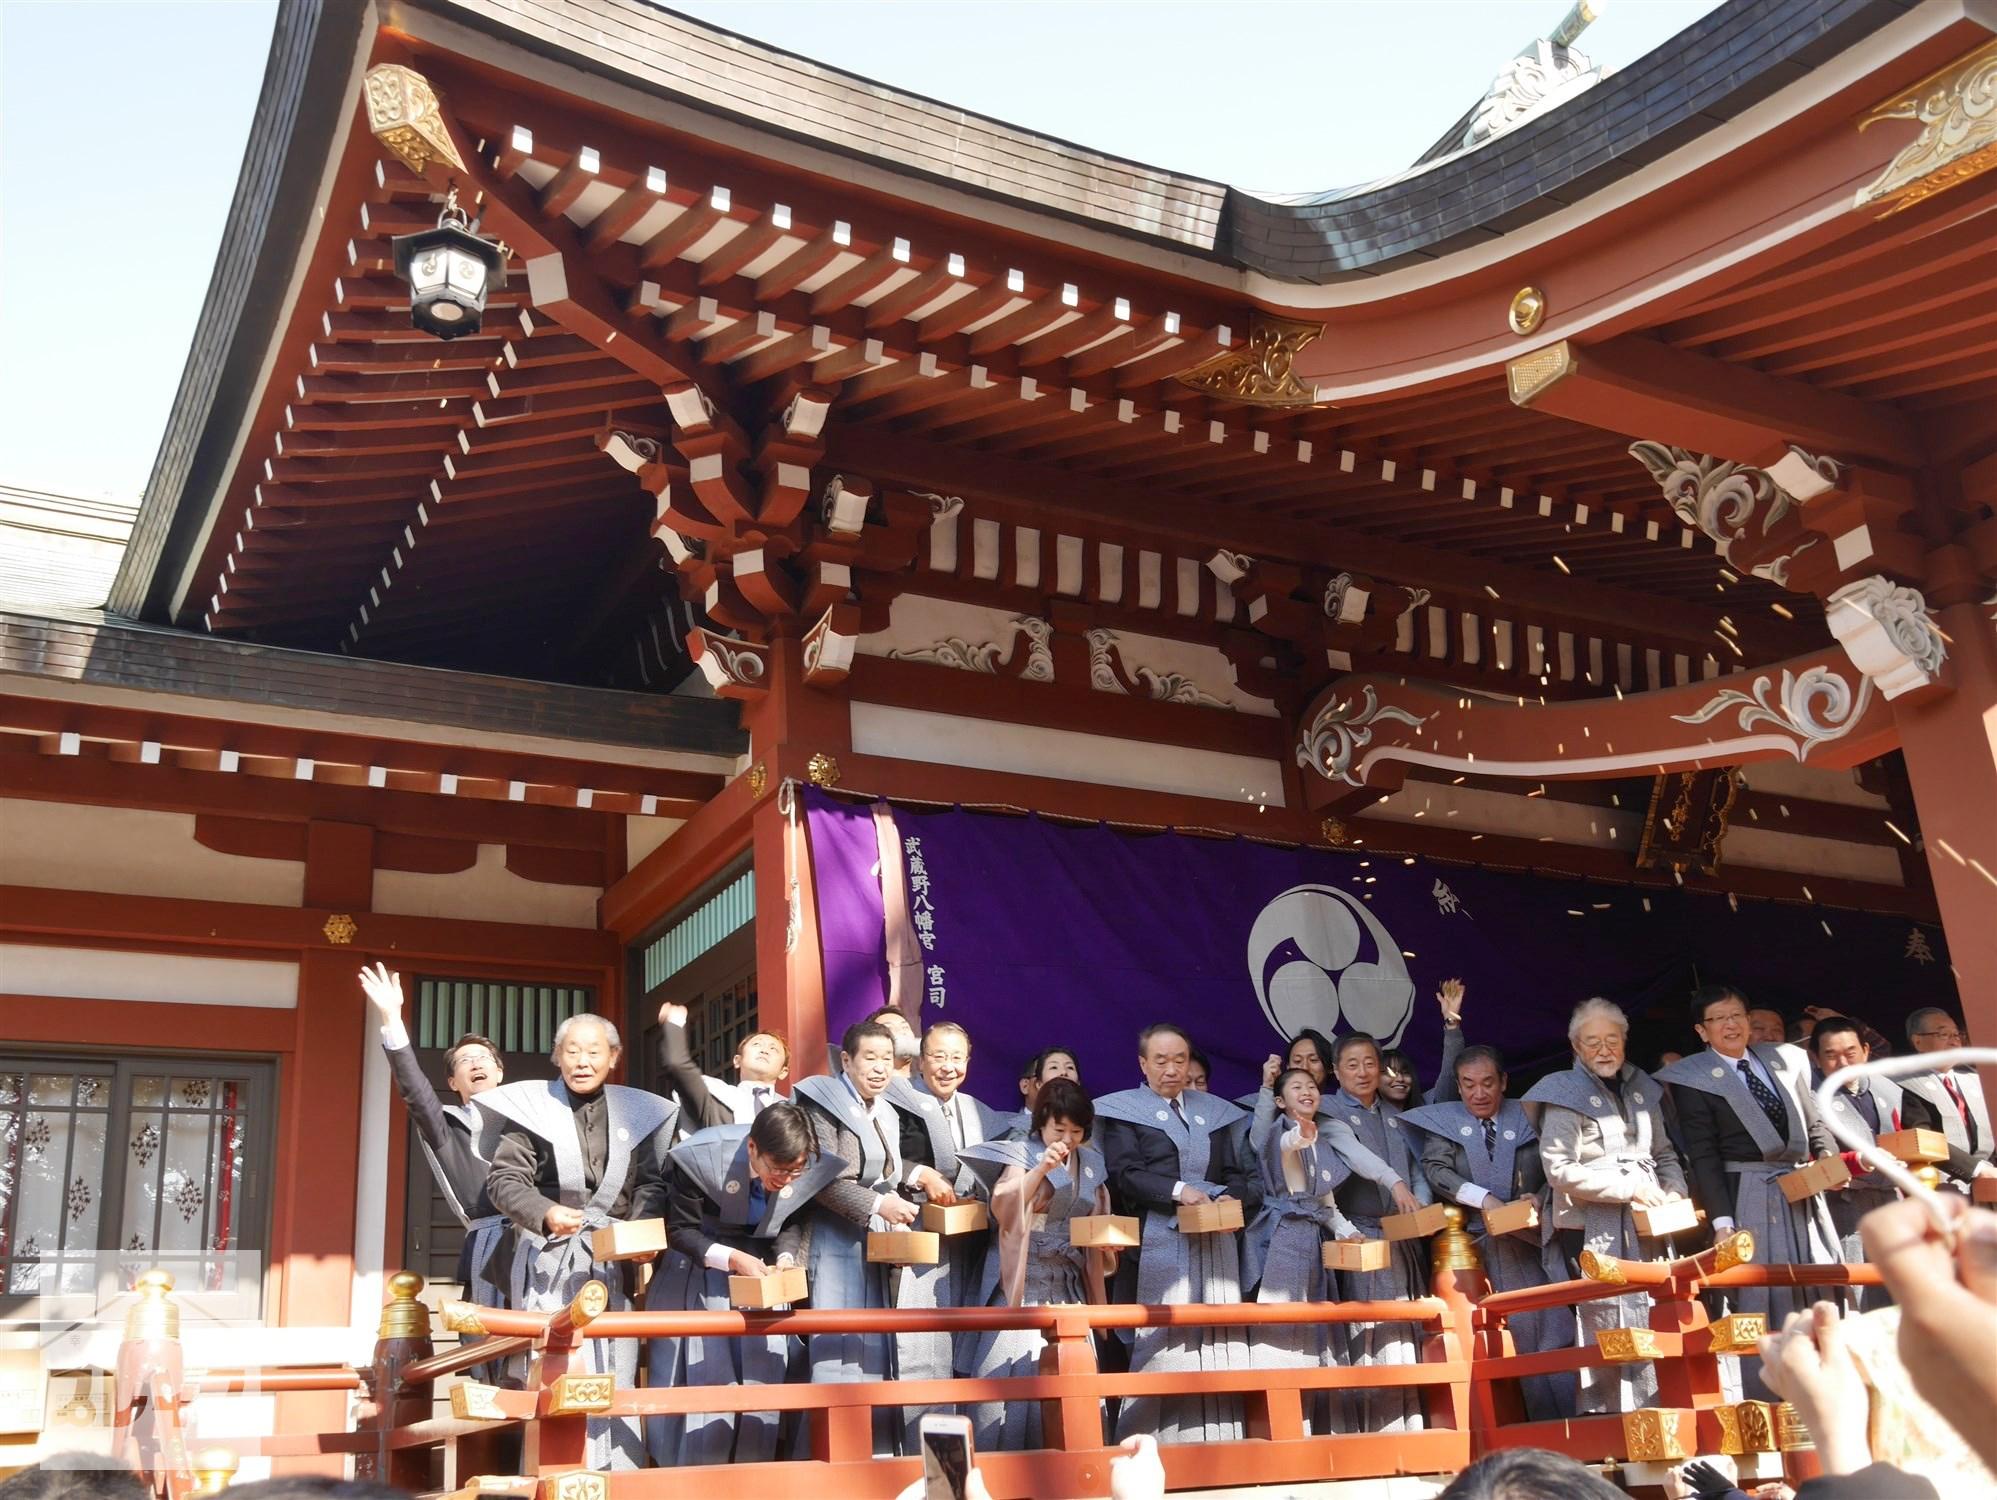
(1165, 1147)
(1951, 1102)
(1283, 1252)
(1480, 1149)
(940, 1073)
(1872, 1107)
(1359, 1104)
(575, 1154)
(1039, 1187)
(855, 1123)
(1748, 1118)
(735, 1197)
(1603, 1145)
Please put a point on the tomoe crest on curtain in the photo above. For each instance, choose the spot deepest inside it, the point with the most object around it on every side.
(1309, 961)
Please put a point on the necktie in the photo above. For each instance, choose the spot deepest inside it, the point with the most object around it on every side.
(759, 1098)
(1954, 1093)
(759, 1202)
(1179, 1108)
(1491, 1139)
(1765, 1097)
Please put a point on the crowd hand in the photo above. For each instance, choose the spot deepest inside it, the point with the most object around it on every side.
(559, 1220)
(1948, 1308)
(384, 990)
(672, 1015)
(1137, 1473)
(935, 1186)
(1272, 1069)
(1307, 1131)
(896, 1210)
(1807, 1365)
(1450, 998)
(1704, 1481)
(1405, 1202)
(742, 1263)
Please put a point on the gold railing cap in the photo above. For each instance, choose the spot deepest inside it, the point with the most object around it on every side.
(155, 1315)
(402, 1316)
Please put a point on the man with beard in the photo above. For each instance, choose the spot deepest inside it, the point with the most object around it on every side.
(574, 1154)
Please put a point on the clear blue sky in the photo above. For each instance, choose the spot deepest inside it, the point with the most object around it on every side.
(122, 126)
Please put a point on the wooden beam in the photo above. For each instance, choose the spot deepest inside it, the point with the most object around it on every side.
(1642, 388)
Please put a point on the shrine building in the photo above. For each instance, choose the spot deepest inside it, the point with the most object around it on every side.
(1589, 533)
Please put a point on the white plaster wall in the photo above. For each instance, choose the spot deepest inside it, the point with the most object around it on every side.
(154, 978)
(1469, 809)
(1764, 848)
(642, 835)
(917, 620)
(990, 745)
(131, 852)
(1788, 778)
(487, 892)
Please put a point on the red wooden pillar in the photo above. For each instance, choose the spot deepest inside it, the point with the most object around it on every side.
(1950, 744)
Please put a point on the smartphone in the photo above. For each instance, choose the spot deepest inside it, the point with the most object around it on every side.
(946, 1457)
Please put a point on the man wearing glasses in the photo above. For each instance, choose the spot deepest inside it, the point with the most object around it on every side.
(1952, 1101)
(1747, 1117)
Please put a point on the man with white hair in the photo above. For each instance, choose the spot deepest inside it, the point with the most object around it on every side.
(574, 1153)
(1604, 1147)
(1951, 1102)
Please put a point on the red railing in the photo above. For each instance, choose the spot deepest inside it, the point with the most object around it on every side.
(1469, 1375)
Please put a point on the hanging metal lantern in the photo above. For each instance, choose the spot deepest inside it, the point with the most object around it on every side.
(450, 271)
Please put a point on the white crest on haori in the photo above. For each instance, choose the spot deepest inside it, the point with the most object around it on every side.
(1329, 977)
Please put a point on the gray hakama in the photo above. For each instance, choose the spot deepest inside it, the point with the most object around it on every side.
(1599, 1147)
(1871, 1190)
(1036, 1267)
(1392, 1408)
(836, 1261)
(1175, 1268)
(928, 1356)
(547, 1271)
(711, 1192)
(1517, 1261)
(1283, 1257)
(1785, 1233)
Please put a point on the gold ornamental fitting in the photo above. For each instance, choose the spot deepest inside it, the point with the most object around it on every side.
(154, 1315)
(463, 1318)
(822, 770)
(589, 1304)
(1737, 1249)
(402, 1316)
(1757, 1426)
(577, 1484)
(1791, 1432)
(1737, 1333)
(1528, 310)
(1628, 1346)
(1453, 1248)
(214, 1468)
(1730, 1442)
(1654, 1435)
(759, 777)
(579, 1395)
(473, 1401)
(1603, 1268)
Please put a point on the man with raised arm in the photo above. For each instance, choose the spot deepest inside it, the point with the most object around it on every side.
(761, 1063)
(450, 1134)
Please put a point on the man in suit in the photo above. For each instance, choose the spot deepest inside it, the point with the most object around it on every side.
(1168, 1147)
(761, 1063)
(1952, 1101)
(449, 1134)
(1870, 1107)
(1748, 1118)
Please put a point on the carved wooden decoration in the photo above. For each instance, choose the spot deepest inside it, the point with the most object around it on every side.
(1259, 373)
(1958, 138)
(1687, 820)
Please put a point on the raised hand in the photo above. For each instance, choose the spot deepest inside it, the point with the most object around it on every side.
(383, 988)
(1272, 1069)
(1450, 999)
(1307, 1131)
(672, 1015)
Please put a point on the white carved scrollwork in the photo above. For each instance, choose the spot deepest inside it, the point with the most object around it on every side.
(989, 656)
(1887, 632)
(1167, 687)
(940, 506)
(1342, 728)
(736, 663)
(1811, 707)
(1731, 503)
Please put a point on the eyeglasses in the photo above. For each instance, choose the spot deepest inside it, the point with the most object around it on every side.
(474, 1057)
(1950, 1035)
(1726, 1018)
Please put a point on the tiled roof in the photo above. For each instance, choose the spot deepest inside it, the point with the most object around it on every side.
(59, 551)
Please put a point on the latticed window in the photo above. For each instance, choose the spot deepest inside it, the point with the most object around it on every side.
(109, 1167)
(517, 1017)
(719, 1021)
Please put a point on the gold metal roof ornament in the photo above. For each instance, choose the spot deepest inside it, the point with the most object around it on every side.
(1259, 372)
(1958, 138)
(404, 116)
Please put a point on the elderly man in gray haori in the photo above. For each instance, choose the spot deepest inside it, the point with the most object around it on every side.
(1605, 1151)
(1950, 1101)
(573, 1154)
(1745, 1118)
(1167, 1146)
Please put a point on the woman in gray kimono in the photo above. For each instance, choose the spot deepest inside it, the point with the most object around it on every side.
(1037, 1185)
(1284, 1257)
(1356, 1064)
(1605, 1150)
(734, 1197)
